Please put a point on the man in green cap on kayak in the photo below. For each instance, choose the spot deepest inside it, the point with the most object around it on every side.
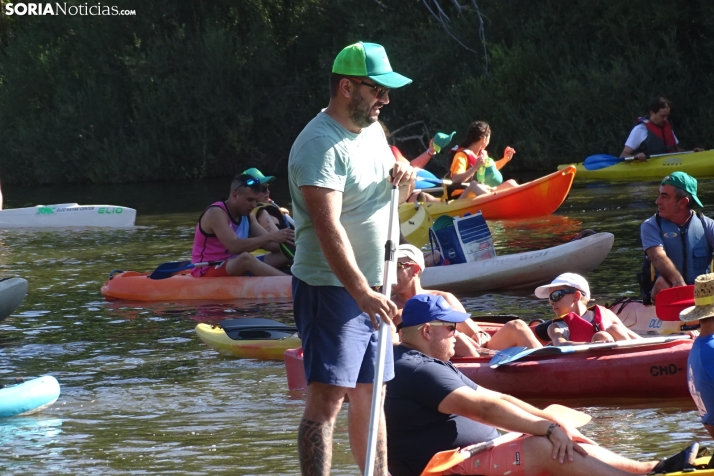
(677, 241)
(339, 172)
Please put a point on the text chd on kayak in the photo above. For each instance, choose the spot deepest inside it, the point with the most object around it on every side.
(61, 8)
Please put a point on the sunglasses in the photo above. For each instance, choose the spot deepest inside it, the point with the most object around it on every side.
(449, 325)
(408, 264)
(380, 90)
(247, 181)
(556, 296)
(265, 189)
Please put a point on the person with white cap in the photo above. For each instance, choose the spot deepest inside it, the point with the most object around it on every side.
(700, 366)
(575, 323)
(431, 406)
(471, 340)
(341, 175)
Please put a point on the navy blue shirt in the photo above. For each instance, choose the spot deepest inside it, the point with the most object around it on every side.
(416, 429)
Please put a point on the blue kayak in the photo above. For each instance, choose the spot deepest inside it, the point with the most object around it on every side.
(29, 397)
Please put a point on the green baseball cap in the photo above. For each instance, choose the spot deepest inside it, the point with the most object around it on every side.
(441, 140)
(683, 181)
(370, 60)
(258, 175)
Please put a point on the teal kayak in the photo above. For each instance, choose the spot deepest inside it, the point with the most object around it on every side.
(29, 397)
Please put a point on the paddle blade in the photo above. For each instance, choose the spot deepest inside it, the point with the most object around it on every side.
(167, 270)
(508, 355)
(444, 460)
(600, 161)
(670, 302)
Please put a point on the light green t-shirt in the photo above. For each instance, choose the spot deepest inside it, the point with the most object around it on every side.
(325, 154)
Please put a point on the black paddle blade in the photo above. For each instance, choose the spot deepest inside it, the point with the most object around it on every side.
(167, 270)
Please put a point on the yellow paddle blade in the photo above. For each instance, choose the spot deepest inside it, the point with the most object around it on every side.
(444, 460)
(415, 222)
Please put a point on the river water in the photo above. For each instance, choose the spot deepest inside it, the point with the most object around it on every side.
(142, 395)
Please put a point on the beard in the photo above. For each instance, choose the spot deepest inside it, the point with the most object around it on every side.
(359, 111)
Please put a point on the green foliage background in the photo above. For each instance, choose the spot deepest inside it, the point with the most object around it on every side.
(199, 88)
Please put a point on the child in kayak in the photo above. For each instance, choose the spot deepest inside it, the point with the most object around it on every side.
(569, 295)
(470, 162)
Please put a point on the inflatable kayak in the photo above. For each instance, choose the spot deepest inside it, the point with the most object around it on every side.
(520, 270)
(68, 214)
(696, 164)
(644, 321)
(597, 375)
(133, 286)
(532, 199)
(263, 339)
(12, 292)
(28, 397)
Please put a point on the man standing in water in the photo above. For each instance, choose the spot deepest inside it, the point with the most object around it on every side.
(339, 181)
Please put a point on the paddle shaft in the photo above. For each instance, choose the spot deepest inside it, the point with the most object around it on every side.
(390, 263)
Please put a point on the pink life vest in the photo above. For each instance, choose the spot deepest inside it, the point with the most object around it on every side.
(582, 330)
(207, 246)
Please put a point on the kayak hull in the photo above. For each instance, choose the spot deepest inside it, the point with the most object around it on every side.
(598, 376)
(520, 270)
(540, 197)
(29, 397)
(68, 215)
(261, 349)
(133, 286)
(12, 292)
(696, 164)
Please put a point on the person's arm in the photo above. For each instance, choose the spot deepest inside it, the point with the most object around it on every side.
(460, 172)
(634, 140)
(324, 206)
(214, 221)
(613, 318)
(557, 336)
(421, 161)
(257, 231)
(404, 176)
(494, 409)
(507, 156)
(664, 266)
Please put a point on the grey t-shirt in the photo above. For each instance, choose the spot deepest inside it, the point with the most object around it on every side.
(651, 236)
(325, 154)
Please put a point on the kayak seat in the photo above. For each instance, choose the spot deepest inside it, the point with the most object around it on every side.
(583, 234)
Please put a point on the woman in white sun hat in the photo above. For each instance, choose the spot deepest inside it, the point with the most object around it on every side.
(575, 323)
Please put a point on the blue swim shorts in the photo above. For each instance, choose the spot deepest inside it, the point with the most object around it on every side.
(339, 342)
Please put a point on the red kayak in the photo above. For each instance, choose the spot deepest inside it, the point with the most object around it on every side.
(644, 372)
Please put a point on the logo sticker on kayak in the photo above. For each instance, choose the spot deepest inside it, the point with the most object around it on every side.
(110, 210)
(673, 161)
(45, 211)
(664, 370)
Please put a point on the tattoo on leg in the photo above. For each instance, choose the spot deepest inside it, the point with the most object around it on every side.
(380, 462)
(315, 447)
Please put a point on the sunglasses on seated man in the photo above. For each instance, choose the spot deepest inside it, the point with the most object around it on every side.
(449, 325)
(247, 181)
(556, 296)
(379, 90)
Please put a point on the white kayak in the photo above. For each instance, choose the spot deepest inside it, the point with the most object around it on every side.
(12, 292)
(29, 397)
(520, 270)
(67, 214)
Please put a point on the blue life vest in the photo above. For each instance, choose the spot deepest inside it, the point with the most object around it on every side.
(686, 247)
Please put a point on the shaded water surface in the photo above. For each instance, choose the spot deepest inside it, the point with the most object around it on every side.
(142, 395)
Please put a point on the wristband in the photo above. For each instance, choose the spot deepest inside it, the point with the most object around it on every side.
(428, 151)
(552, 427)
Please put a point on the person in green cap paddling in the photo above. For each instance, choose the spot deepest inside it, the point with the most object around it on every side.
(339, 173)
(677, 241)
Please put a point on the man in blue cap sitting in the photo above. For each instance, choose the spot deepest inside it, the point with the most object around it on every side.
(677, 241)
(431, 406)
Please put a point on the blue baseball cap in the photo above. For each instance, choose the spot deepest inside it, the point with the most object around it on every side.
(424, 308)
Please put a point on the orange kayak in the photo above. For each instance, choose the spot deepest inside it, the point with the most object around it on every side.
(540, 197)
(134, 286)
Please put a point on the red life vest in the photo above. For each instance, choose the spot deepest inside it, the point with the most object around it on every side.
(469, 155)
(582, 330)
(663, 132)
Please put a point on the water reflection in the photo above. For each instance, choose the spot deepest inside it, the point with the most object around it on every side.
(141, 393)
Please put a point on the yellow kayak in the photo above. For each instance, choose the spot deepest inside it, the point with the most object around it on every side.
(261, 339)
(697, 164)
